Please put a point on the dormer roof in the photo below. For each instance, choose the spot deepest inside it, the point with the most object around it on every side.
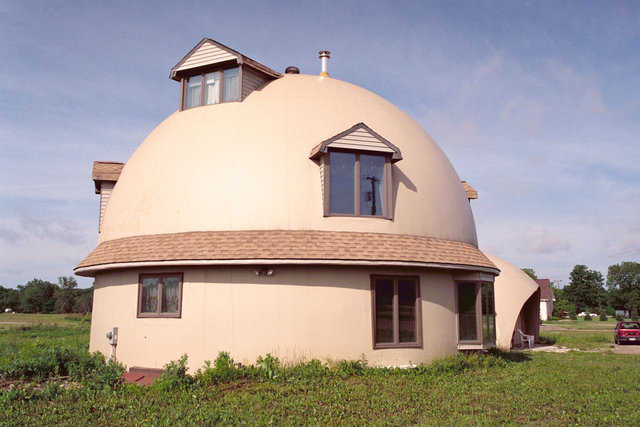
(357, 137)
(210, 52)
(471, 192)
(105, 171)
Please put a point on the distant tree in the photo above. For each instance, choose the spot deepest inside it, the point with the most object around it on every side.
(531, 273)
(585, 289)
(84, 300)
(37, 296)
(623, 281)
(9, 298)
(561, 303)
(65, 295)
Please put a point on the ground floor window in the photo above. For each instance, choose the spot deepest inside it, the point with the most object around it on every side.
(488, 314)
(396, 311)
(476, 314)
(160, 295)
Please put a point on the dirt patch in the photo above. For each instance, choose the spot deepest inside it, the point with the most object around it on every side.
(552, 349)
(625, 349)
(614, 348)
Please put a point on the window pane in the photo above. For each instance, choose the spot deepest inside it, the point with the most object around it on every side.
(488, 315)
(407, 294)
(212, 88)
(149, 297)
(193, 91)
(230, 85)
(372, 195)
(341, 170)
(384, 310)
(467, 312)
(170, 294)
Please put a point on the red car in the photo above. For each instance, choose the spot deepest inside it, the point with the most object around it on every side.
(627, 332)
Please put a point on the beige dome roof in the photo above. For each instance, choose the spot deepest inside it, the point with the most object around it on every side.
(245, 166)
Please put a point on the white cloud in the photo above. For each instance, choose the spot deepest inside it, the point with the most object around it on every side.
(43, 247)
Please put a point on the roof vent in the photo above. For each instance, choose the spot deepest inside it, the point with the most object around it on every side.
(292, 70)
(324, 56)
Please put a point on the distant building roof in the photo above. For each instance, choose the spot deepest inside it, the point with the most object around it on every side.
(546, 292)
(471, 192)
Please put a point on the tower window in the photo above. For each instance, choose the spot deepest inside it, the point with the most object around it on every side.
(212, 88)
(193, 91)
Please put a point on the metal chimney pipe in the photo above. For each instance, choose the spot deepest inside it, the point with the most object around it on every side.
(324, 56)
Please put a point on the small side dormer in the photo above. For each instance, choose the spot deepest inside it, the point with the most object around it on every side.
(212, 73)
(471, 192)
(105, 175)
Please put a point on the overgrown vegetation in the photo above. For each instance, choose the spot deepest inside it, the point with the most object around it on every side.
(44, 351)
(527, 388)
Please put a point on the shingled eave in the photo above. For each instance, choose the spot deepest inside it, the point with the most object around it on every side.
(283, 247)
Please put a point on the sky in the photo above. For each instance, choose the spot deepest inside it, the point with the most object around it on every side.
(536, 104)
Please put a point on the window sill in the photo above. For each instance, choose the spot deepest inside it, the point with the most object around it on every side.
(403, 345)
(471, 346)
(159, 315)
(210, 105)
(358, 216)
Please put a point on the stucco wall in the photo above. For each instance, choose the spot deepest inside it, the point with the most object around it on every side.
(298, 313)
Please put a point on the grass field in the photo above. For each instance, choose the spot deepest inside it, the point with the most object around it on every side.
(578, 325)
(580, 334)
(586, 388)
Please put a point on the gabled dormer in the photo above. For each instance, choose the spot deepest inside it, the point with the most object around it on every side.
(105, 175)
(212, 73)
(469, 190)
(355, 169)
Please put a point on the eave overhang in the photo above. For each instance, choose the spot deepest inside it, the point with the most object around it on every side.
(284, 247)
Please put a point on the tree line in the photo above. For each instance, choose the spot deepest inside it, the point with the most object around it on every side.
(586, 291)
(41, 296)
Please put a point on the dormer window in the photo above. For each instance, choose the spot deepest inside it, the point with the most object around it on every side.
(230, 85)
(210, 88)
(194, 90)
(357, 183)
(356, 173)
(212, 73)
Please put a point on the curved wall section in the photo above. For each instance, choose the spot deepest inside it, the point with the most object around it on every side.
(297, 313)
(512, 290)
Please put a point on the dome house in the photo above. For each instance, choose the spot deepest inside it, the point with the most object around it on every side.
(291, 214)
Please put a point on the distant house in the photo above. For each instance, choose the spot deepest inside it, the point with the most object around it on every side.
(546, 298)
(621, 311)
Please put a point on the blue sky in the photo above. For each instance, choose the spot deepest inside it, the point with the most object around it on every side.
(535, 103)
